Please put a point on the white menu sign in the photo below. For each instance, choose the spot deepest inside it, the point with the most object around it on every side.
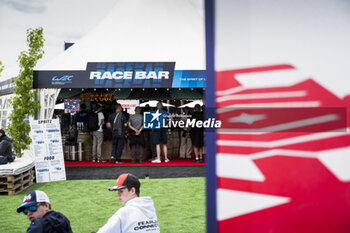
(47, 147)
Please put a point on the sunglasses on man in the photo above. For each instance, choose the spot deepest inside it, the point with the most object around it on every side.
(32, 208)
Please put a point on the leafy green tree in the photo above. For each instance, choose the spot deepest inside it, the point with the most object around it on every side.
(23, 102)
(1, 68)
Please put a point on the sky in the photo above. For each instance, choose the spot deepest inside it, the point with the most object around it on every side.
(62, 20)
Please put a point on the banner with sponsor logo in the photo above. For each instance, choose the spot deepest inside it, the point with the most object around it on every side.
(129, 105)
(48, 151)
(122, 75)
(282, 156)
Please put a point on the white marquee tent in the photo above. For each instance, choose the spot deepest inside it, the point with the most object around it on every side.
(135, 31)
(141, 30)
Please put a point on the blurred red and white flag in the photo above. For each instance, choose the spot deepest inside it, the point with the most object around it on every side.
(283, 151)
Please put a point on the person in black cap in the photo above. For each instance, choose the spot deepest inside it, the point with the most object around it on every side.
(138, 213)
(36, 205)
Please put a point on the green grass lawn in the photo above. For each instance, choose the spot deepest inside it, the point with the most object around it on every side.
(180, 204)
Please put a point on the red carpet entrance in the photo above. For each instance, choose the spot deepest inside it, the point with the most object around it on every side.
(173, 162)
(81, 170)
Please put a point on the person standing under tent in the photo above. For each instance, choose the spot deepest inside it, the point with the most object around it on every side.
(152, 144)
(159, 135)
(126, 114)
(117, 122)
(136, 135)
(98, 136)
(185, 139)
(82, 118)
(197, 135)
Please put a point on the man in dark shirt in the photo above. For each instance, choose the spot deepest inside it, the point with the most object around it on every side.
(117, 122)
(197, 135)
(36, 205)
(82, 117)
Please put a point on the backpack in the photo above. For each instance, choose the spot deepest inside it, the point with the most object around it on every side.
(93, 122)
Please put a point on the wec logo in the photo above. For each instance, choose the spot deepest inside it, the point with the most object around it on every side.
(63, 79)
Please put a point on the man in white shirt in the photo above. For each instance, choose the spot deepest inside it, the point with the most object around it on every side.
(138, 214)
(98, 136)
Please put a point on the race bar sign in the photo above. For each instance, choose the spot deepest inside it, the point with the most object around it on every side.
(121, 75)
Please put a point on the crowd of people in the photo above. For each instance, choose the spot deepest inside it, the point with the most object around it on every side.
(121, 123)
(137, 215)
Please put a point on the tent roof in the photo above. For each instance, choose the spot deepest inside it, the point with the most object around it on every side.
(69, 93)
(141, 31)
(192, 104)
(141, 93)
(186, 93)
(153, 103)
(123, 93)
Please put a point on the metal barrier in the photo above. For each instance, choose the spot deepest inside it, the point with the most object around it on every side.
(73, 152)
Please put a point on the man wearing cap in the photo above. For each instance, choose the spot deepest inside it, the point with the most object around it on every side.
(138, 214)
(36, 205)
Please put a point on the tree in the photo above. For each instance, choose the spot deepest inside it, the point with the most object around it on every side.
(23, 102)
(1, 68)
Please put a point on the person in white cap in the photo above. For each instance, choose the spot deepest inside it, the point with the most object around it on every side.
(138, 214)
(36, 205)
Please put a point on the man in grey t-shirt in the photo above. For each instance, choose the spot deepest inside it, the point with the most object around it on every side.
(136, 135)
